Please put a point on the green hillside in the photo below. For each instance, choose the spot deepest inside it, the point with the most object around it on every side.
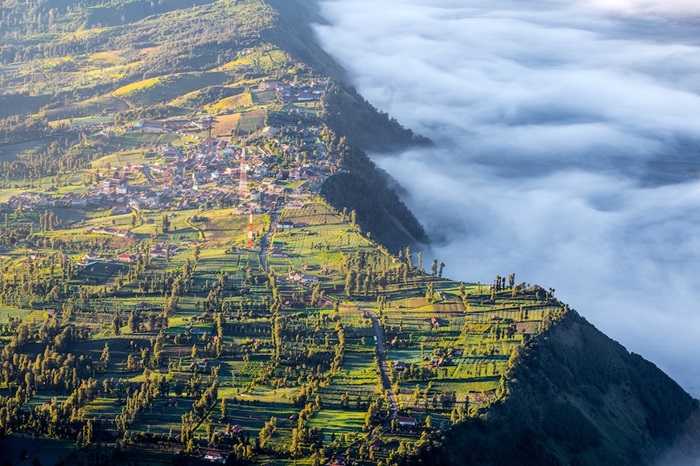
(199, 263)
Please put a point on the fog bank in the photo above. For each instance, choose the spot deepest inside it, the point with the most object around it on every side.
(567, 138)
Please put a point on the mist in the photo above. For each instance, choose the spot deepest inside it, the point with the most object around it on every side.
(567, 140)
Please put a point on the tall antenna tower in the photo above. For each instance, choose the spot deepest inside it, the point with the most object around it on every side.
(250, 229)
(243, 176)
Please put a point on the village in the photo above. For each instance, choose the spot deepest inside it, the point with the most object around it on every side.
(240, 173)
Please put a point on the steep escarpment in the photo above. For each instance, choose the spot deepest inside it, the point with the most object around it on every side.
(576, 398)
(378, 209)
(362, 187)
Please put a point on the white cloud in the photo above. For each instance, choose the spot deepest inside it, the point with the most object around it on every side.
(678, 9)
(568, 142)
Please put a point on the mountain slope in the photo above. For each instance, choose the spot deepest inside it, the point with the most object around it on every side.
(573, 396)
(576, 398)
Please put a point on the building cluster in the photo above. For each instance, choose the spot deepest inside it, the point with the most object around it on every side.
(207, 174)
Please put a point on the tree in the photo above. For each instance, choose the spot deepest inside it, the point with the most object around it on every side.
(430, 292)
(87, 433)
(224, 409)
(345, 401)
(294, 448)
(116, 324)
(434, 268)
(350, 279)
(105, 356)
(133, 322)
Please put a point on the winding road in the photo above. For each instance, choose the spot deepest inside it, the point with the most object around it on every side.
(384, 368)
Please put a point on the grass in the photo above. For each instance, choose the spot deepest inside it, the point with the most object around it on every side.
(88, 108)
(323, 241)
(11, 312)
(163, 418)
(166, 88)
(10, 153)
(233, 103)
(338, 421)
(101, 272)
(226, 124)
(251, 121)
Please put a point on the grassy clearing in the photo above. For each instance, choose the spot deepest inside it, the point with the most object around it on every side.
(338, 421)
(10, 153)
(7, 313)
(232, 103)
(251, 121)
(225, 125)
(166, 88)
(89, 108)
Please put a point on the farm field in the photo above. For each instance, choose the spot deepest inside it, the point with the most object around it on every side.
(174, 281)
(309, 363)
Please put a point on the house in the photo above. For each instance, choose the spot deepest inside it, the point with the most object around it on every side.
(270, 131)
(277, 252)
(309, 279)
(200, 365)
(147, 126)
(435, 322)
(260, 171)
(406, 421)
(272, 85)
(85, 262)
(214, 457)
(236, 430)
(437, 362)
(399, 366)
(126, 234)
(339, 460)
(128, 258)
(169, 152)
(52, 312)
(397, 342)
(199, 330)
(119, 210)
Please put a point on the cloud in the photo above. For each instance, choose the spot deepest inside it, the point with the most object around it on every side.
(677, 9)
(568, 141)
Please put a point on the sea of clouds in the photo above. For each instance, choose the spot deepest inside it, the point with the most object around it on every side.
(567, 148)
